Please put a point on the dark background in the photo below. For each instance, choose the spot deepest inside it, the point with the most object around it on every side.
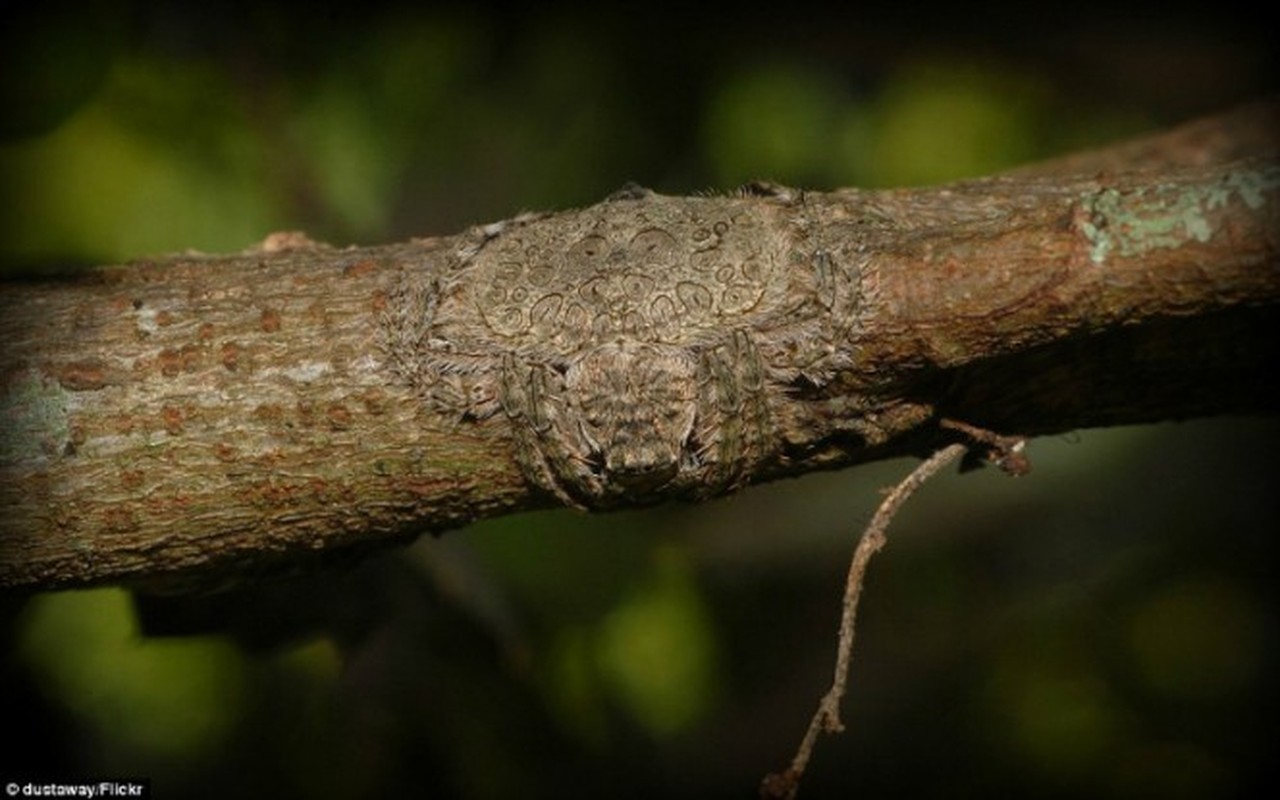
(1103, 627)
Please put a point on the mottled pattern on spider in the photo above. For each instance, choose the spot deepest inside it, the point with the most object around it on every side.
(625, 361)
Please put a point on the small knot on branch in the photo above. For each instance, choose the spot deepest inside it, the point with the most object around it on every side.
(1006, 452)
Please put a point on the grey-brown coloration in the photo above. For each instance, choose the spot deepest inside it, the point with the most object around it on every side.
(198, 419)
(621, 341)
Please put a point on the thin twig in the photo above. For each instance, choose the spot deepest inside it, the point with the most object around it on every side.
(1006, 452)
(779, 785)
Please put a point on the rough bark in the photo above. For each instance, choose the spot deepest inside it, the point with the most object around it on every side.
(190, 419)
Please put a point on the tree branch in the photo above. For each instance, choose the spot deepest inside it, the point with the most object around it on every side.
(197, 417)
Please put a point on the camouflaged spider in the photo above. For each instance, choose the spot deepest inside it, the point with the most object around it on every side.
(620, 341)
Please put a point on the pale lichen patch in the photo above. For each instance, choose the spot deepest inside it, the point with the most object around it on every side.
(145, 321)
(34, 412)
(1133, 223)
(308, 371)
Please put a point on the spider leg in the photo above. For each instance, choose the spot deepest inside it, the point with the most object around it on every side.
(525, 417)
(553, 456)
(756, 420)
(735, 424)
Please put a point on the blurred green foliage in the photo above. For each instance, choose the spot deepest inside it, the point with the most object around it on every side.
(153, 699)
(1104, 626)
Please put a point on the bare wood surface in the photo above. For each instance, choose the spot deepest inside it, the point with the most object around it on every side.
(197, 417)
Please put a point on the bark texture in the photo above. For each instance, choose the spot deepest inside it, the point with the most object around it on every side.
(187, 420)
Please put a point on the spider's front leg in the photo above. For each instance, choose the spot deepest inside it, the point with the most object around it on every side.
(552, 454)
(736, 426)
